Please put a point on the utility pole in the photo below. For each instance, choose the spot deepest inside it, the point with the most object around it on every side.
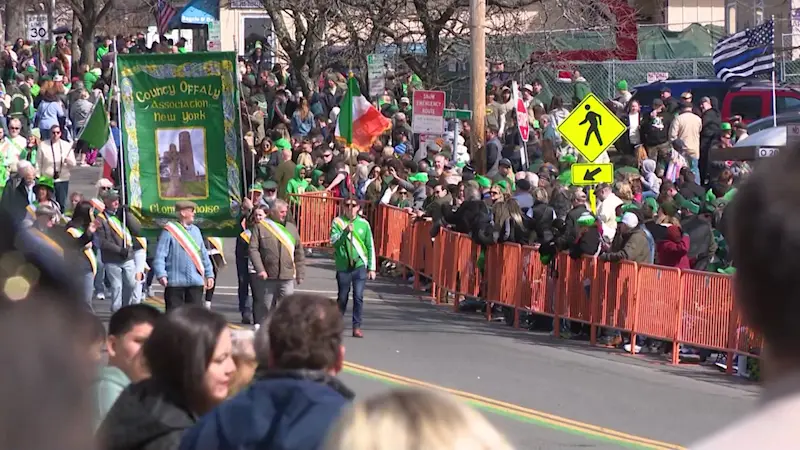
(477, 32)
(51, 21)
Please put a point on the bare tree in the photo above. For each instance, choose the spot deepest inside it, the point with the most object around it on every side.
(89, 14)
(300, 27)
(15, 19)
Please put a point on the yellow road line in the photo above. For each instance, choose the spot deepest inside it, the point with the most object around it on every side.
(561, 422)
(504, 407)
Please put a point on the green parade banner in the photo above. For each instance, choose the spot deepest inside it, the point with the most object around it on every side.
(181, 138)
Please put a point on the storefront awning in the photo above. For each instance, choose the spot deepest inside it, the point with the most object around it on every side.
(200, 12)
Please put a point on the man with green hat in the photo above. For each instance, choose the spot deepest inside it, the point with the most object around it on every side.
(623, 95)
(285, 170)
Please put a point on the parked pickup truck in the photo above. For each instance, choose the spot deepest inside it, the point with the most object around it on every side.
(752, 100)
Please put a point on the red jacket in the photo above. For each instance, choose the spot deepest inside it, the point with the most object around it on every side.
(674, 250)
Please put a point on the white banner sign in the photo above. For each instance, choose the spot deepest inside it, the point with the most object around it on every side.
(376, 74)
(652, 77)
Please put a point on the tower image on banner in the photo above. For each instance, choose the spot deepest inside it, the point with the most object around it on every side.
(182, 163)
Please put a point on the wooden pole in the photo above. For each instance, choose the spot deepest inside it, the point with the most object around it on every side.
(478, 78)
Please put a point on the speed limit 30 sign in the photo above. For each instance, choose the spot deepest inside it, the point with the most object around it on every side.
(37, 27)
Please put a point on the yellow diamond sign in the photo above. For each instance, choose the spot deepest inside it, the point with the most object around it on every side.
(591, 127)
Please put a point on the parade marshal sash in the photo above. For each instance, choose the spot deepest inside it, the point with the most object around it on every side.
(77, 233)
(216, 248)
(282, 235)
(358, 244)
(121, 230)
(245, 235)
(188, 243)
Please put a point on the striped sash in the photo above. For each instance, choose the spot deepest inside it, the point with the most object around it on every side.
(245, 235)
(188, 244)
(358, 244)
(77, 233)
(122, 231)
(282, 235)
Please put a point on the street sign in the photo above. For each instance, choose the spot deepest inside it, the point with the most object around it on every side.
(588, 174)
(427, 109)
(522, 117)
(37, 27)
(458, 114)
(591, 127)
(376, 74)
(214, 43)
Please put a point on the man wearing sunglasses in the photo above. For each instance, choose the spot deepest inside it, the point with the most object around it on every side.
(354, 255)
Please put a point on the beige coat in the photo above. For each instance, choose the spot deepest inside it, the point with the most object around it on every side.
(687, 127)
(59, 157)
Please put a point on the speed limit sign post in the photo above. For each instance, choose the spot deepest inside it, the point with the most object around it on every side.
(37, 28)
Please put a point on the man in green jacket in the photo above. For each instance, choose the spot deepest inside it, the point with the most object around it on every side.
(354, 255)
(580, 88)
(128, 329)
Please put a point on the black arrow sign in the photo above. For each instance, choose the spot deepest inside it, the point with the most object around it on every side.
(590, 174)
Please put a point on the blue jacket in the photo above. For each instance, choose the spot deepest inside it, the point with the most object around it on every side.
(281, 410)
(173, 262)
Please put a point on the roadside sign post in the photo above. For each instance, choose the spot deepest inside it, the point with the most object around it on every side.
(592, 128)
(38, 29)
(522, 123)
(214, 43)
(376, 74)
(428, 112)
(589, 174)
(456, 115)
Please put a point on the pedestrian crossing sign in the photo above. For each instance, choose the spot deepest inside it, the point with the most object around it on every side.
(591, 127)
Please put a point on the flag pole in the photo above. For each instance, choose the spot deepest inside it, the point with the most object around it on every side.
(121, 150)
(774, 100)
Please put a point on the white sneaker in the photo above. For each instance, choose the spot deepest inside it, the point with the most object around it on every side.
(636, 349)
(101, 296)
(256, 326)
(208, 305)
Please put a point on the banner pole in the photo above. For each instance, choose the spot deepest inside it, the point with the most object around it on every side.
(121, 150)
(241, 134)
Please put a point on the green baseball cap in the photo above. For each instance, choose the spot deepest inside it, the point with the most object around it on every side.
(483, 181)
(256, 187)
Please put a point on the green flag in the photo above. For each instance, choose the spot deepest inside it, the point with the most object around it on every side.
(97, 133)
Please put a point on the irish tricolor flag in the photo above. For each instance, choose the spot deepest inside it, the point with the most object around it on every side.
(97, 134)
(359, 123)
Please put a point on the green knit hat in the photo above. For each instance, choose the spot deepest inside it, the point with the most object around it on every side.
(725, 126)
(586, 220)
(283, 144)
(483, 181)
(622, 85)
(47, 182)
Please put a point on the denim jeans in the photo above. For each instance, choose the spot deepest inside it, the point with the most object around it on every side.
(358, 279)
(122, 278)
(62, 191)
(87, 289)
(243, 279)
(139, 260)
(694, 166)
(100, 277)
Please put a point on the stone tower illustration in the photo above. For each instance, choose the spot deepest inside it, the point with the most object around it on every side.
(186, 156)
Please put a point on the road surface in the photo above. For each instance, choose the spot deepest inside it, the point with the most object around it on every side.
(541, 392)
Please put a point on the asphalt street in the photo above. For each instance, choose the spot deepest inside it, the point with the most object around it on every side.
(541, 392)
